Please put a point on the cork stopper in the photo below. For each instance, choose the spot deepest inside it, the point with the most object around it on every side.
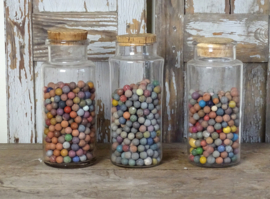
(136, 39)
(64, 34)
(214, 47)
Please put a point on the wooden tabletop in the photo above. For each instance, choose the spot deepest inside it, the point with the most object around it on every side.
(24, 175)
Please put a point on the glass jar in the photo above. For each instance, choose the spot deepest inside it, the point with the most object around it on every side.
(136, 76)
(69, 100)
(214, 103)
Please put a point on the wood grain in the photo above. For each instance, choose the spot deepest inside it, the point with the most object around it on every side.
(207, 6)
(250, 6)
(250, 32)
(131, 16)
(27, 177)
(253, 129)
(21, 109)
(170, 41)
(71, 6)
(101, 27)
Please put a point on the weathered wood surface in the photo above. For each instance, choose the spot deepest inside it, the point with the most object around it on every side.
(169, 21)
(250, 6)
(253, 129)
(24, 175)
(20, 79)
(267, 115)
(101, 27)
(77, 6)
(250, 31)
(131, 16)
(207, 6)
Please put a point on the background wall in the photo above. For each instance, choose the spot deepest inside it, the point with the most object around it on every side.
(176, 22)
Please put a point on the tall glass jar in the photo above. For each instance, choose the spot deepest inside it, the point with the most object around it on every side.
(214, 103)
(136, 76)
(69, 100)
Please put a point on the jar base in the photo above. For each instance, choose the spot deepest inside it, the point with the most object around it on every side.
(72, 165)
(215, 165)
(135, 167)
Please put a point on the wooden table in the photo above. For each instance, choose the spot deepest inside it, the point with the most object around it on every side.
(24, 175)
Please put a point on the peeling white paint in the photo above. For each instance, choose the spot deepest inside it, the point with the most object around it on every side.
(130, 11)
(168, 100)
(209, 6)
(250, 6)
(178, 59)
(79, 6)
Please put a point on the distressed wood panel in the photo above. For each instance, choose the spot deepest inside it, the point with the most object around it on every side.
(74, 6)
(253, 129)
(250, 6)
(207, 6)
(21, 110)
(267, 115)
(250, 31)
(170, 39)
(101, 26)
(131, 16)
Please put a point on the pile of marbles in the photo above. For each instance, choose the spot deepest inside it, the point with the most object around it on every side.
(136, 124)
(69, 122)
(214, 127)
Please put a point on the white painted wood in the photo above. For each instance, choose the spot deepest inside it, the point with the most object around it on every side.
(131, 16)
(74, 6)
(251, 6)
(206, 6)
(250, 32)
(101, 27)
(21, 110)
(3, 96)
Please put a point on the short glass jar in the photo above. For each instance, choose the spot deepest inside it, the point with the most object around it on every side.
(214, 92)
(69, 100)
(136, 76)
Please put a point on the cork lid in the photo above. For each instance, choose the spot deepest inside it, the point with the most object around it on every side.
(136, 39)
(65, 34)
(214, 46)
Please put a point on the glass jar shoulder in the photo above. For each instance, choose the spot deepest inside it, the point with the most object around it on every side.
(200, 63)
(77, 64)
(151, 58)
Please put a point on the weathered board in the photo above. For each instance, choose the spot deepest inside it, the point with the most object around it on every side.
(101, 27)
(168, 23)
(250, 6)
(267, 115)
(25, 176)
(250, 31)
(74, 6)
(253, 128)
(20, 80)
(207, 6)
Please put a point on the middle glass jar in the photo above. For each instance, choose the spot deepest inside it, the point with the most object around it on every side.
(136, 76)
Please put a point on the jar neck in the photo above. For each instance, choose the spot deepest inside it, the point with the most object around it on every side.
(215, 53)
(61, 53)
(135, 50)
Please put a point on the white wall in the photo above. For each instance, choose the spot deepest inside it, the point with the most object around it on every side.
(3, 93)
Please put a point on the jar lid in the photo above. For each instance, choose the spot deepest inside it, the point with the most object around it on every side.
(136, 39)
(65, 34)
(214, 46)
